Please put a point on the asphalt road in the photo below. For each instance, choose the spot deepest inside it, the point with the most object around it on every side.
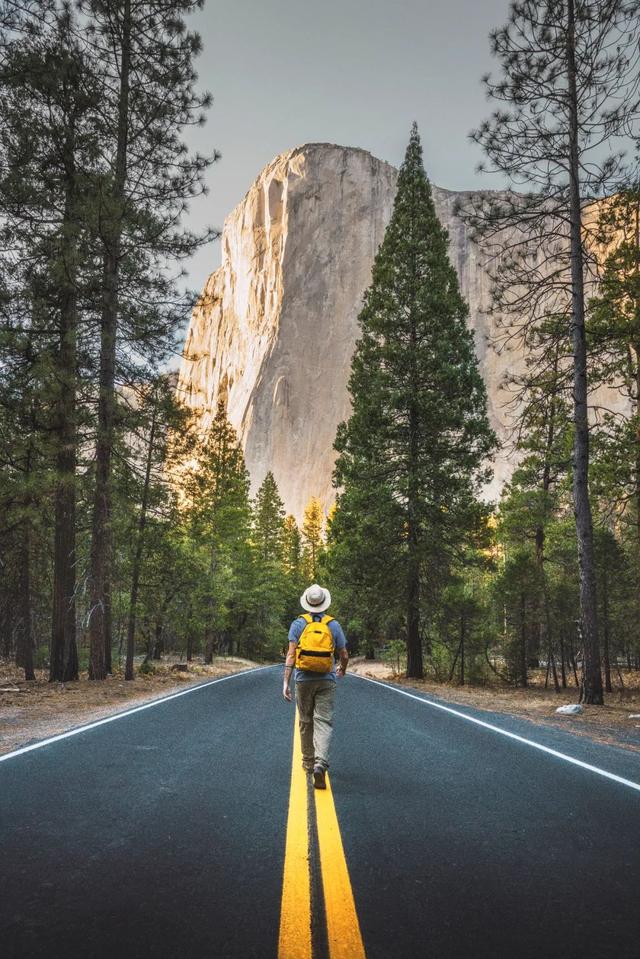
(163, 833)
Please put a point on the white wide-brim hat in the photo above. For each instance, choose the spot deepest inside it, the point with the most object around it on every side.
(315, 599)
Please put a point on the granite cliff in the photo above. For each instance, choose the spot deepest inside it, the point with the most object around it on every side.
(274, 329)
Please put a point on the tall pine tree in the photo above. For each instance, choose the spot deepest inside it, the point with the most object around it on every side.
(411, 455)
(220, 521)
(149, 97)
(312, 525)
(48, 150)
(268, 521)
(568, 99)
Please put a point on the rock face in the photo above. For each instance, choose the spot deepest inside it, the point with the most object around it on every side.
(274, 330)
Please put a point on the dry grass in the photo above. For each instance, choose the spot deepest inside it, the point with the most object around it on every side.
(36, 710)
(618, 722)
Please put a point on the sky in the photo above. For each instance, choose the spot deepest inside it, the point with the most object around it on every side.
(353, 72)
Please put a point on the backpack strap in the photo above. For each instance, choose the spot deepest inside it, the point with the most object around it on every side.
(326, 619)
(307, 617)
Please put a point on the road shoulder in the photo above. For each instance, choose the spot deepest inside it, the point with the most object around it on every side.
(32, 711)
(610, 724)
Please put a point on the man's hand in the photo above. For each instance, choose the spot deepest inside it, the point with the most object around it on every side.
(342, 665)
(288, 669)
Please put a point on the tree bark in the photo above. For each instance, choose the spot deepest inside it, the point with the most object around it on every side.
(591, 690)
(563, 664)
(158, 642)
(137, 558)
(24, 651)
(605, 628)
(545, 622)
(636, 351)
(523, 640)
(415, 669)
(453, 664)
(209, 640)
(64, 652)
(102, 537)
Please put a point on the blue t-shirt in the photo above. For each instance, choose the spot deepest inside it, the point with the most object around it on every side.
(339, 642)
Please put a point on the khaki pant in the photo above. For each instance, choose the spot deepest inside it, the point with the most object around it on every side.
(315, 699)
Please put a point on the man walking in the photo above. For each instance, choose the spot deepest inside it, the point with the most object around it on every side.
(315, 639)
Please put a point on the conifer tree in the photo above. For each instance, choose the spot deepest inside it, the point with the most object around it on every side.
(292, 546)
(410, 456)
(268, 521)
(271, 584)
(614, 335)
(24, 484)
(293, 563)
(568, 93)
(220, 513)
(48, 155)
(312, 526)
(534, 494)
(161, 434)
(149, 97)
(366, 582)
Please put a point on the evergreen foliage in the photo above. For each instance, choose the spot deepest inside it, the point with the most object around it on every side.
(410, 457)
(567, 94)
(124, 531)
(269, 522)
(312, 535)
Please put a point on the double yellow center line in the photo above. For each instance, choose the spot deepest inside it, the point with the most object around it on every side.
(343, 929)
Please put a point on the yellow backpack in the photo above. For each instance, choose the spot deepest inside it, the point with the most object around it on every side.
(315, 646)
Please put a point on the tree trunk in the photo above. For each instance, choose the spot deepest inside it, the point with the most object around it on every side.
(5, 630)
(605, 628)
(636, 353)
(454, 663)
(24, 650)
(158, 643)
(209, 633)
(64, 651)
(102, 539)
(591, 691)
(415, 669)
(574, 667)
(563, 665)
(414, 646)
(554, 671)
(209, 640)
(523, 640)
(137, 558)
(550, 422)
(544, 622)
(462, 639)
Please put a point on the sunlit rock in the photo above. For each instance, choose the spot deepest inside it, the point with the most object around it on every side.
(276, 325)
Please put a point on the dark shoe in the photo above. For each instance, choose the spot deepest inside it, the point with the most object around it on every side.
(319, 778)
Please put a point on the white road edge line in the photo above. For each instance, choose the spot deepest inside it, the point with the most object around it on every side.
(504, 732)
(127, 712)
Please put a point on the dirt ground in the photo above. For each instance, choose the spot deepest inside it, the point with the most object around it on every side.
(616, 723)
(37, 710)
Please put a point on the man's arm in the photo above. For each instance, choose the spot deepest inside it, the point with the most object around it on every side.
(288, 669)
(341, 645)
(344, 659)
